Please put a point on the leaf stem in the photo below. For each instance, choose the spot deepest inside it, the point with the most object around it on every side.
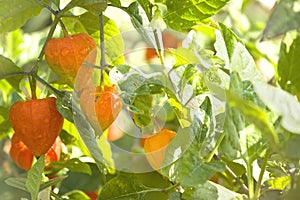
(32, 84)
(64, 29)
(102, 49)
(261, 174)
(54, 90)
(250, 180)
(215, 149)
(244, 187)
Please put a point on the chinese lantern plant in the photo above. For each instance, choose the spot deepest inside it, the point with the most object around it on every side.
(37, 123)
(155, 147)
(101, 107)
(66, 55)
(23, 157)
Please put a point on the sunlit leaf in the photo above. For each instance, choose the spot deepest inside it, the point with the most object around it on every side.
(285, 17)
(279, 182)
(184, 56)
(14, 13)
(94, 6)
(255, 115)
(87, 134)
(252, 143)
(185, 149)
(282, 103)
(182, 15)
(234, 122)
(77, 195)
(113, 41)
(235, 55)
(145, 4)
(35, 176)
(64, 106)
(105, 148)
(288, 67)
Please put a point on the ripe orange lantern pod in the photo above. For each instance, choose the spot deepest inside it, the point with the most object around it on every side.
(101, 107)
(37, 122)
(53, 154)
(20, 153)
(155, 147)
(65, 57)
(23, 157)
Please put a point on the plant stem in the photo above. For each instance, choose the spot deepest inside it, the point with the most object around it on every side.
(215, 149)
(244, 187)
(250, 181)
(54, 90)
(261, 174)
(64, 29)
(32, 84)
(37, 64)
(102, 49)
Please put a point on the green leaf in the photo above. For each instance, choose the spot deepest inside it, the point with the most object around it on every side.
(135, 186)
(14, 44)
(235, 55)
(146, 5)
(105, 148)
(87, 133)
(10, 71)
(292, 192)
(253, 145)
(133, 11)
(190, 164)
(288, 67)
(282, 103)
(243, 63)
(14, 13)
(210, 191)
(34, 177)
(234, 123)
(74, 165)
(142, 112)
(184, 56)
(255, 115)
(182, 15)
(206, 170)
(289, 147)
(94, 6)
(113, 41)
(225, 43)
(122, 187)
(115, 2)
(52, 182)
(82, 181)
(285, 17)
(5, 128)
(64, 106)
(19, 183)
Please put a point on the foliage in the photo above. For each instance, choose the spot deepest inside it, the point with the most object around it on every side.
(182, 83)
